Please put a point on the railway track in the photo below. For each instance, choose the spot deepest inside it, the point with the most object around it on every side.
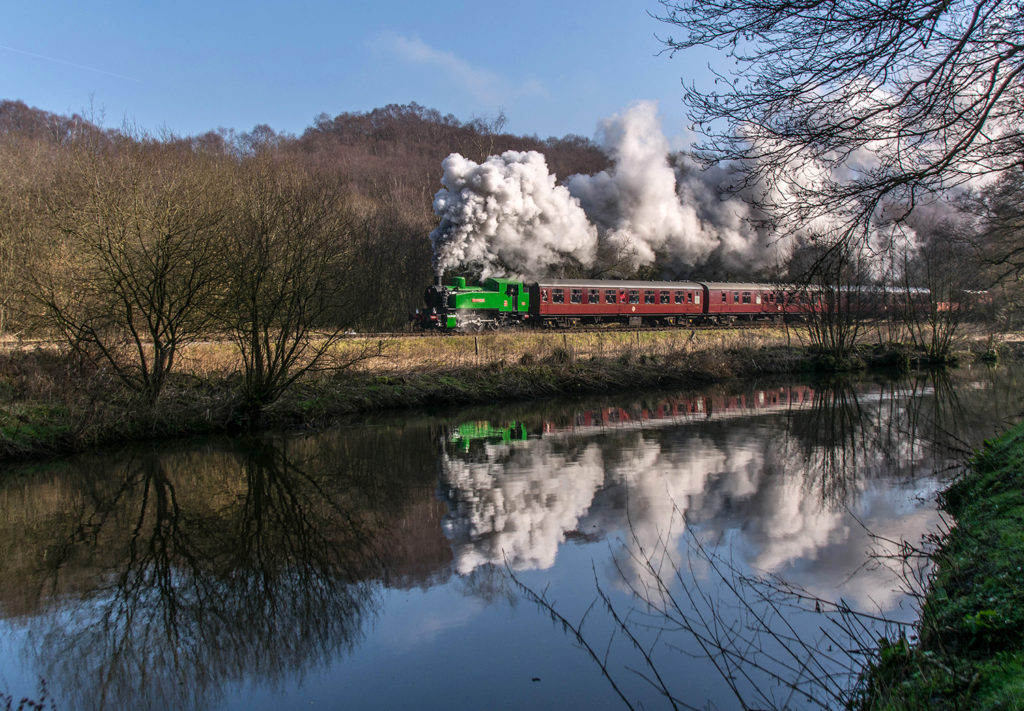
(738, 326)
(26, 344)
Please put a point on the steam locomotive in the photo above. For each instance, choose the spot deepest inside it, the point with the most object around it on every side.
(499, 303)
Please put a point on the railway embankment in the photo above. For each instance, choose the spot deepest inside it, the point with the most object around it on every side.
(49, 406)
(969, 651)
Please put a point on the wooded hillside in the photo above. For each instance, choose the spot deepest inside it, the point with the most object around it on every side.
(80, 203)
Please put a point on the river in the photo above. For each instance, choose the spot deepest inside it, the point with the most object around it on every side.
(737, 542)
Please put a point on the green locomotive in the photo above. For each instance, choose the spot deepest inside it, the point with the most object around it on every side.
(494, 304)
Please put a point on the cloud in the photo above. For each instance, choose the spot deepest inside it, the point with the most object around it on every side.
(484, 85)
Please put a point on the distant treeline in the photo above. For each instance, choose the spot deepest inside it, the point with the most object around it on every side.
(347, 205)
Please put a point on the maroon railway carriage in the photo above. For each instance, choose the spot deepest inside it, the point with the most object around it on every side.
(570, 301)
(731, 301)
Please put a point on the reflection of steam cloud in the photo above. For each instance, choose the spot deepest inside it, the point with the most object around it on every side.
(518, 509)
(785, 496)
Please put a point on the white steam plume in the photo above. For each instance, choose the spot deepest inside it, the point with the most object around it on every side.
(507, 214)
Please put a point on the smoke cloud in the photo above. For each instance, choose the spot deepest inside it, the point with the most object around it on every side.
(509, 215)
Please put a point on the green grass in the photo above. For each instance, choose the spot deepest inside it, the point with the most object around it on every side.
(971, 649)
(29, 427)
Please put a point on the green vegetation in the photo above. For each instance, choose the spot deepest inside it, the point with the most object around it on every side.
(971, 648)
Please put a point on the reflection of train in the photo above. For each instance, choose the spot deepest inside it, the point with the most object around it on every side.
(567, 302)
(680, 409)
(673, 410)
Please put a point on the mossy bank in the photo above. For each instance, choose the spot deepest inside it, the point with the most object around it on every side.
(970, 648)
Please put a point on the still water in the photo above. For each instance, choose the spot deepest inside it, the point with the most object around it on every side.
(595, 554)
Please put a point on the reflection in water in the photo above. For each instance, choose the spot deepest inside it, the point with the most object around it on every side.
(649, 475)
(173, 577)
(599, 472)
(179, 573)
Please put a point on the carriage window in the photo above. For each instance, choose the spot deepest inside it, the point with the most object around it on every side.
(679, 297)
(689, 297)
(725, 298)
(696, 298)
(576, 296)
(634, 296)
(610, 296)
(648, 297)
(543, 294)
(557, 296)
(746, 297)
(665, 299)
(594, 296)
(735, 297)
(757, 298)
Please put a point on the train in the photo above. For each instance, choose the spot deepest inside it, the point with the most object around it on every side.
(471, 437)
(501, 303)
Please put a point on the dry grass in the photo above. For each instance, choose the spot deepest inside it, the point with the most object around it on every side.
(218, 358)
(457, 351)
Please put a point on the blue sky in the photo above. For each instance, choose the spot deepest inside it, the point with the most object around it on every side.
(553, 67)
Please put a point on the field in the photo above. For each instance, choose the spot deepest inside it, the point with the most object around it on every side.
(413, 354)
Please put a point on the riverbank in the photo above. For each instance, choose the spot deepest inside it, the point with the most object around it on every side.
(54, 406)
(970, 651)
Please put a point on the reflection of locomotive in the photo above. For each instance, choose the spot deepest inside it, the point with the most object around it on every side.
(568, 302)
(466, 434)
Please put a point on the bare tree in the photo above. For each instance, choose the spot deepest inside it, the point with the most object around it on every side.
(287, 255)
(25, 164)
(948, 269)
(932, 91)
(13, 226)
(133, 269)
(834, 298)
(999, 240)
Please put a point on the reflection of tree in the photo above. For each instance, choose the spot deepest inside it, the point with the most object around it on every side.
(853, 432)
(831, 437)
(199, 592)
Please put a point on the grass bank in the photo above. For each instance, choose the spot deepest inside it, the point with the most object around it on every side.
(970, 651)
(51, 403)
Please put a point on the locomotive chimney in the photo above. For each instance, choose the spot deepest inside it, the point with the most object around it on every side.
(437, 280)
